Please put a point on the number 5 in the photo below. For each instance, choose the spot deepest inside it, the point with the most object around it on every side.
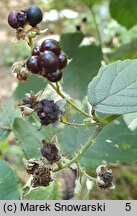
(128, 207)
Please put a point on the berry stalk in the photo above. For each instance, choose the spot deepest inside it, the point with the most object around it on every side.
(69, 101)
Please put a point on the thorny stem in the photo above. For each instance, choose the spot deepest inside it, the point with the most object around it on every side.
(69, 101)
(84, 148)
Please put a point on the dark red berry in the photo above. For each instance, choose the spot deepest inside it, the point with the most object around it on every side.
(48, 111)
(51, 45)
(62, 60)
(34, 15)
(36, 51)
(54, 77)
(49, 62)
(33, 64)
(12, 19)
(50, 152)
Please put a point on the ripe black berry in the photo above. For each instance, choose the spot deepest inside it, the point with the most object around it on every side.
(51, 45)
(48, 111)
(33, 64)
(12, 19)
(49, 62)
(36, 51)
(62, 60)
(54, 77)
(34, 15)
(50, 152)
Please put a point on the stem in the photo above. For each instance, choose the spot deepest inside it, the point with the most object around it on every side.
(69, 101)
(79, 154)
(96, 26)
(30, 42)
(73, 124)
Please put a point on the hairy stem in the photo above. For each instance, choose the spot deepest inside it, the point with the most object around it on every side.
(69, 101)
(84, 148)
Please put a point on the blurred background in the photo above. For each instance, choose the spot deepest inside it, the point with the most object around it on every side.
(97, 21)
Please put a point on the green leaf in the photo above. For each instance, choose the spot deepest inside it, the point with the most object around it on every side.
(114, 89)
(125, 12)
(29, 138)
(116, 143)
(34, 83)
(6, 118)
(70, 138)
(70, 43)
(125, 51)
(45, 193)
(86, 60)
(8, 182)
(81, 69)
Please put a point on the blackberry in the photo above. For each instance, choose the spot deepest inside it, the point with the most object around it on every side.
(49, 62)
(34, 15)
(50, 152)
(62, 60)
(17, 18)
(36, 51)
(48, 112)
(12, 19)
(51, 45)
(33, 64)
(54, 77)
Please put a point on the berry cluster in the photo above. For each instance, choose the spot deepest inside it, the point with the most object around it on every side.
(19, 18)
(48, 60)
(48, 112)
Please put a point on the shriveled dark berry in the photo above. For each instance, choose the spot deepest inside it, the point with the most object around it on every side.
(107, 177)
(62, 60)
(54, 77)
(41, 177)
(33, 64)
(49, 62)
(34, 15)
(12, 19)
(51, 45)
(36, 51)
(50, 152)
(47, 111)
(22, 18)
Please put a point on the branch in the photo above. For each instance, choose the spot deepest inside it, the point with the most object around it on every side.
(79, 154)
